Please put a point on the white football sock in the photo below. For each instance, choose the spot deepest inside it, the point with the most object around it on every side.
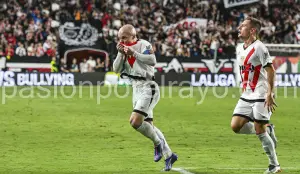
(269, 147)
(166, 149)
(248, 128)
(148, 131)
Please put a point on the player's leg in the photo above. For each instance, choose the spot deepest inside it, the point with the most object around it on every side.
(271, 131)
(155, 99)
(261, 118)
(170, 157)
(145, 128)
(142, 99)
(241, 121)
(166, 149)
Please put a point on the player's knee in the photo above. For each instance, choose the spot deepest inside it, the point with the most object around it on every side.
(259, 128)
(235, 128)
(135, 123)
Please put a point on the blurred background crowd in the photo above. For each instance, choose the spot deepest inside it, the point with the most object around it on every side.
(30, 27)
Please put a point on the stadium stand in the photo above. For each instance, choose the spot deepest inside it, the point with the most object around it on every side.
(31, 28)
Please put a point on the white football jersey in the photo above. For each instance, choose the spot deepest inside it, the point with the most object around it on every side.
(136, 67)
(252, 61)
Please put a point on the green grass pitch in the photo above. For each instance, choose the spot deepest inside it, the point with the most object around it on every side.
(83, 134)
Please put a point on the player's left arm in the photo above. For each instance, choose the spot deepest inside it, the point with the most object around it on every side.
(148, 59)
(147, 56)
(270, 77)
(266, 62)
(270, 101)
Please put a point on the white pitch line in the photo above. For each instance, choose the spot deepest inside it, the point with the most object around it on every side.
(182, 171)
(237, 168)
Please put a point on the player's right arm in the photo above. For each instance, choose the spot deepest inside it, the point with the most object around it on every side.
(118, 63)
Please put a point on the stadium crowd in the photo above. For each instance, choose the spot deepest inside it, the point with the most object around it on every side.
(31, 27)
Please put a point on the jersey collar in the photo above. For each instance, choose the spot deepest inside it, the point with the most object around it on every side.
(130, 44)
(249, 44)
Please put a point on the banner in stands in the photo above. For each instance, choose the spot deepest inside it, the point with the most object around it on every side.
(192, 64)
(188, 23)
(233, 3)
(287, 64)
(85, 34)
(2, 62)
(80, 41)
(196, 79)
(290, 80)
(203, 79)
(29, 63)
(10, 78)
(182, 79)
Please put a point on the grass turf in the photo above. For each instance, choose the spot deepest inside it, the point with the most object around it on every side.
(86, 134)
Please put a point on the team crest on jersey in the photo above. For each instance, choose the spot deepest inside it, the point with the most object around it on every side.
(242, 58)
(148, 50)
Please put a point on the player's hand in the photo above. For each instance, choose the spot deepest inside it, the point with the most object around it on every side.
(120, 48)
(128, 51)
(270, 103)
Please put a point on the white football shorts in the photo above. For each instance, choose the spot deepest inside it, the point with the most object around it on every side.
(145, 97)
(254, 110)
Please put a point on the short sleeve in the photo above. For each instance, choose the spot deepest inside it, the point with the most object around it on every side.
(263, 55)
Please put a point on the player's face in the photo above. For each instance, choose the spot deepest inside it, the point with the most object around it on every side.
(125, 37)
(244, 30)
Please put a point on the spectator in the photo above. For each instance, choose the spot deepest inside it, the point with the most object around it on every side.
(179, 51)
(31, 50)
(1, 52)
(11, 39)
(20, 51)
(9, 52)
(63, 65)
(47, 46)
(54, 65)
(36, 22)
(195, 52)
(74, 66)
(99, 65)
(84, 66)
(39, 50)
(91, 64)
(289, 38)
(214, 46)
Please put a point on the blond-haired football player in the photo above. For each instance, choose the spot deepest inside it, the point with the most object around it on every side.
(257, 101)
(136, 60)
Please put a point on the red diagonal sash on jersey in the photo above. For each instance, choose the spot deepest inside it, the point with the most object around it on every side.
(249, 55)
(131, 60)
(255, 77)
(247, 68)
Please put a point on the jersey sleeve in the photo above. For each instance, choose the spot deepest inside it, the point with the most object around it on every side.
(147, 48)
(263, 55)
(147, 55)
(118, 63)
